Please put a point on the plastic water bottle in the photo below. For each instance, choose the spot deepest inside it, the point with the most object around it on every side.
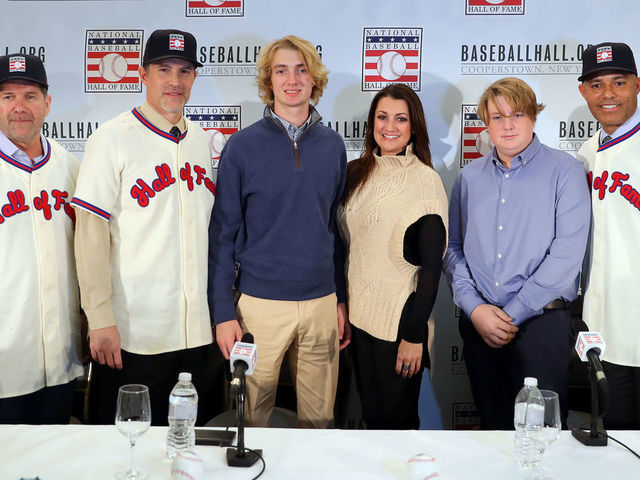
(183, 410)
(528, 420)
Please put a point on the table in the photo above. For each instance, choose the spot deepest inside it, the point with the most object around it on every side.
(79, 452)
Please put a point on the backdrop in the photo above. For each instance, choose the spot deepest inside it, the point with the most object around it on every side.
(449, 51)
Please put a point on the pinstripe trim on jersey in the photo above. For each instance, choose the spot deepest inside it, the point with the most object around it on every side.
(24, 167)
(621, 138)
(155, 129)
(91, 208)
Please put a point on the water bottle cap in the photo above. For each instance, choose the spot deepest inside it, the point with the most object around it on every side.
(184, 377)
(531, 381)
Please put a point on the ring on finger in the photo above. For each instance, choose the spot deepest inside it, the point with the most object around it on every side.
(405, 368)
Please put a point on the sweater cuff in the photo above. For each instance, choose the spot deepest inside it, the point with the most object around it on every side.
(223, 311)
(101, 316)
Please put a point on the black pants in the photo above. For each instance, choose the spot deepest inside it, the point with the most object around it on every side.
(160, 373)
(541, 349)
(624, 399)
(388, 400)
(49, 405)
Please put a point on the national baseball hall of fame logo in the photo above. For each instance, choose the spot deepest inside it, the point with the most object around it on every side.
(475, 141)
(219, 121)
(391, 55)
(214, 8)
(494, 7)
(111, 61)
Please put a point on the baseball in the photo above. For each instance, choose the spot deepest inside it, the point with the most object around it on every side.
(214, 3)
(217, 141)
(483, 142)
(113, 67)
(391, 65)
(422, 467)
(187, 466)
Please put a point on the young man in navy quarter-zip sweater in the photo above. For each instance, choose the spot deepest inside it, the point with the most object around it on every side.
(279, 185)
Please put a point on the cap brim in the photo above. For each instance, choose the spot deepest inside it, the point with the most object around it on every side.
(164, 57)
(23, 77)
(583, 77)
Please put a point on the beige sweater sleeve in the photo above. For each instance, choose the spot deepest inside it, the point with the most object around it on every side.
(93, 253)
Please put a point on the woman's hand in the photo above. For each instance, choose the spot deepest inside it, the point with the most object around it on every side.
(409, 358)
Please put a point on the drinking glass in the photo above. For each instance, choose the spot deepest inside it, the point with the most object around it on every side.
(551, 427)
(550, 431)
(133, 418)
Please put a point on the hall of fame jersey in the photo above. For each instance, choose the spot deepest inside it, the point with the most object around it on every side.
(612, 303)
(39, 306)
(157, 194)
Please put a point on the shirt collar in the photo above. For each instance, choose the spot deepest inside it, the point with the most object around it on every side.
(523, 157)
(292, 130)
(624, 128)
(10, 148)
(158, 120)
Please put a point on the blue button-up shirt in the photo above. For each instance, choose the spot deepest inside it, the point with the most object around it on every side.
(8, 147)
(518, 235)
(293, 131)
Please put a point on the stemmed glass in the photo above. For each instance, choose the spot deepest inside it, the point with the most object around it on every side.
(550, 431)
(133, 418)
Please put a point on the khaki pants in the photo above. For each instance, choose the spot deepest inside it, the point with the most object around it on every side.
(306, 330)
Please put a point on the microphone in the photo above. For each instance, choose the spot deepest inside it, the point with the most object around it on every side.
(242, 360)
(590, 347)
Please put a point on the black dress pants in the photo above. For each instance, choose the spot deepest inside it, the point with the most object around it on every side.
(541, 349)
(49, 405)
(160, 373)
(388, 401)
(624, 396)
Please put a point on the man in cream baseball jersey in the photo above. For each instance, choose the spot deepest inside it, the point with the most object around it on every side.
(610, 86)
(39, 308)
(144, 199)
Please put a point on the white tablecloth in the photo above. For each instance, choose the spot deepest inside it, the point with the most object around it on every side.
(76, 452)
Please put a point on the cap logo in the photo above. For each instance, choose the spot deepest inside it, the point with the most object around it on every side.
(604, 54)
(17, 64)
(176, 42)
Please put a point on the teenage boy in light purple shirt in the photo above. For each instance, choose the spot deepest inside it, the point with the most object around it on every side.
(519, 220)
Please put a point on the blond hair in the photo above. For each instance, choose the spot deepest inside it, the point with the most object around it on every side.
(516, 93)
(310, 57)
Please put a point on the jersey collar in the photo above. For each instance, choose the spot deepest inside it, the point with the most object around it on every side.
(26, 168)
(136, 113)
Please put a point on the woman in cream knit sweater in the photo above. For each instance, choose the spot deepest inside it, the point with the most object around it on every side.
(394, 224)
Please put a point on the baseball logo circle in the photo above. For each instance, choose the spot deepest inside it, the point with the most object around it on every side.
(113, 67)
(391, 65)
(217, 141)
(605, 55)
(214, 3)
(484, 145)
(494, 2)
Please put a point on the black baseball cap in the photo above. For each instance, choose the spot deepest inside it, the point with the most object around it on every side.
(23, 67)
(607, 56)
(164, 44)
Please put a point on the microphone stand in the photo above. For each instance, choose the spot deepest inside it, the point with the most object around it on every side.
(240, 457)
(596, 436)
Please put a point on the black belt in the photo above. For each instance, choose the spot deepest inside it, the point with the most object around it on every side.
(557, 304)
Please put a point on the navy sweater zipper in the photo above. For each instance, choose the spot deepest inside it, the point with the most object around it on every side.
(296, 152)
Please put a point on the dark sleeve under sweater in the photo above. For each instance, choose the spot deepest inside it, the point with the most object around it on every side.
(424, 244)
